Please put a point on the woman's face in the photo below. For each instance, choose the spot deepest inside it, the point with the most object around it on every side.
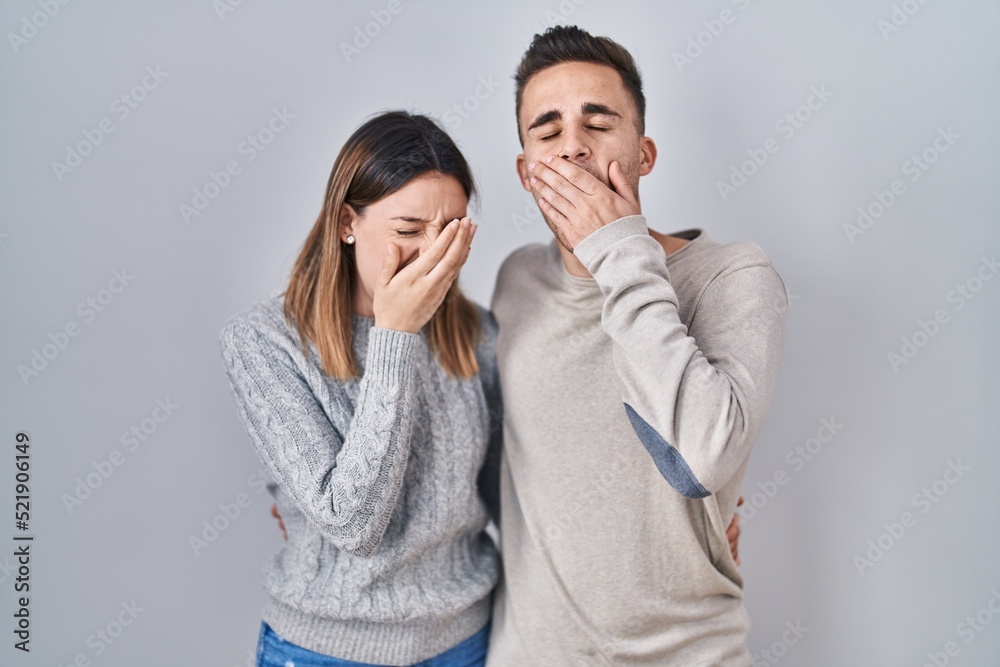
(411, 218)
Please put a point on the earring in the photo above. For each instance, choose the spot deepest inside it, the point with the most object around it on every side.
(350, 239)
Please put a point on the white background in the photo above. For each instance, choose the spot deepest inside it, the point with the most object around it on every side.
(853, 300)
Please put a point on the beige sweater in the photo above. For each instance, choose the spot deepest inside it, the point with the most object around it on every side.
(631, 402)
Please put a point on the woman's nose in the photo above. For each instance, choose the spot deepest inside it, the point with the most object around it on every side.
(431, 232)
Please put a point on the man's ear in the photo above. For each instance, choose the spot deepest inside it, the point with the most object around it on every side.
(522, 172)
(348, 217)
(647, 155)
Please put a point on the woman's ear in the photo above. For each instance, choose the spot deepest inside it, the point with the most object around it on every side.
(348, 217)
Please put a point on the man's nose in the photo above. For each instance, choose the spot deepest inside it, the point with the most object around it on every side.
(574, 145)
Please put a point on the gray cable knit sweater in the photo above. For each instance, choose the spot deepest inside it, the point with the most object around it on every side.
(386, 560)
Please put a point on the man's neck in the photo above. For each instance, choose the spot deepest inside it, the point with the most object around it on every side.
(575, 267)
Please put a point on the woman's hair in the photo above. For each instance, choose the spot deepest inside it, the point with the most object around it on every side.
(383, 155)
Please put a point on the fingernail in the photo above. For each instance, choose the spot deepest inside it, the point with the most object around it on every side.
(549, 159)
(532, 165)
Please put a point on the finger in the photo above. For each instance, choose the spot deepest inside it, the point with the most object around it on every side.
(621, 186)
(468, 250)
(389, 264)
(556, 217)
(447, 269)
(568, 178)
(472, 235)
(432, 256)
(740, 501)
(544, 187)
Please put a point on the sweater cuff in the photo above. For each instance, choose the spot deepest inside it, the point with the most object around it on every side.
(390, 355)
(593, 245)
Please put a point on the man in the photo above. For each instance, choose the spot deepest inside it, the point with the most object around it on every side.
(636, 369)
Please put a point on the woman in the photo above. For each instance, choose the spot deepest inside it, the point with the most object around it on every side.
(368, 391)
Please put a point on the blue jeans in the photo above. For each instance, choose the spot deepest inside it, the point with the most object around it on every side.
(274, 651)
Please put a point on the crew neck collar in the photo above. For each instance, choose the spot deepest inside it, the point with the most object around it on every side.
(587, 284)
(566, 279)
(693, 236)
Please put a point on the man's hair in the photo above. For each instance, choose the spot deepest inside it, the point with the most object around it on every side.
(568, 43)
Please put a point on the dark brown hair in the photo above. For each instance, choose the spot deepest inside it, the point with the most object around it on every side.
(568, 43)
(380, 157)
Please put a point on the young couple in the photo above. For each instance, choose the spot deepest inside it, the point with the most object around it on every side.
(602, 410)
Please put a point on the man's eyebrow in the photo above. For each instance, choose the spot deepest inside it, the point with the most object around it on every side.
(546, 117)
(587, 108)
(591, 108)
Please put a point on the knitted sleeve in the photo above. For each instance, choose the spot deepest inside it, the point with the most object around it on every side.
(346, 484)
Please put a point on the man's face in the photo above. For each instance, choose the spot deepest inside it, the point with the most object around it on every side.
(584, 113)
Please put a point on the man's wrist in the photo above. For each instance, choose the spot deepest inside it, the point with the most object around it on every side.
(592, 245)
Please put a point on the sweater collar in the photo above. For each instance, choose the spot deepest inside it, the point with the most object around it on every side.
(587, 286)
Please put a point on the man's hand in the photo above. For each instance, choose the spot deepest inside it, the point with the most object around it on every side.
(281, 524)
(577, 202)
(733, 533)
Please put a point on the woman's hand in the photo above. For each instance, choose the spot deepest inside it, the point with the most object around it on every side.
(407, 300)
(733, 534)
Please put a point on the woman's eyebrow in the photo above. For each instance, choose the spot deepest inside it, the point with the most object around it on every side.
(411, 218)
